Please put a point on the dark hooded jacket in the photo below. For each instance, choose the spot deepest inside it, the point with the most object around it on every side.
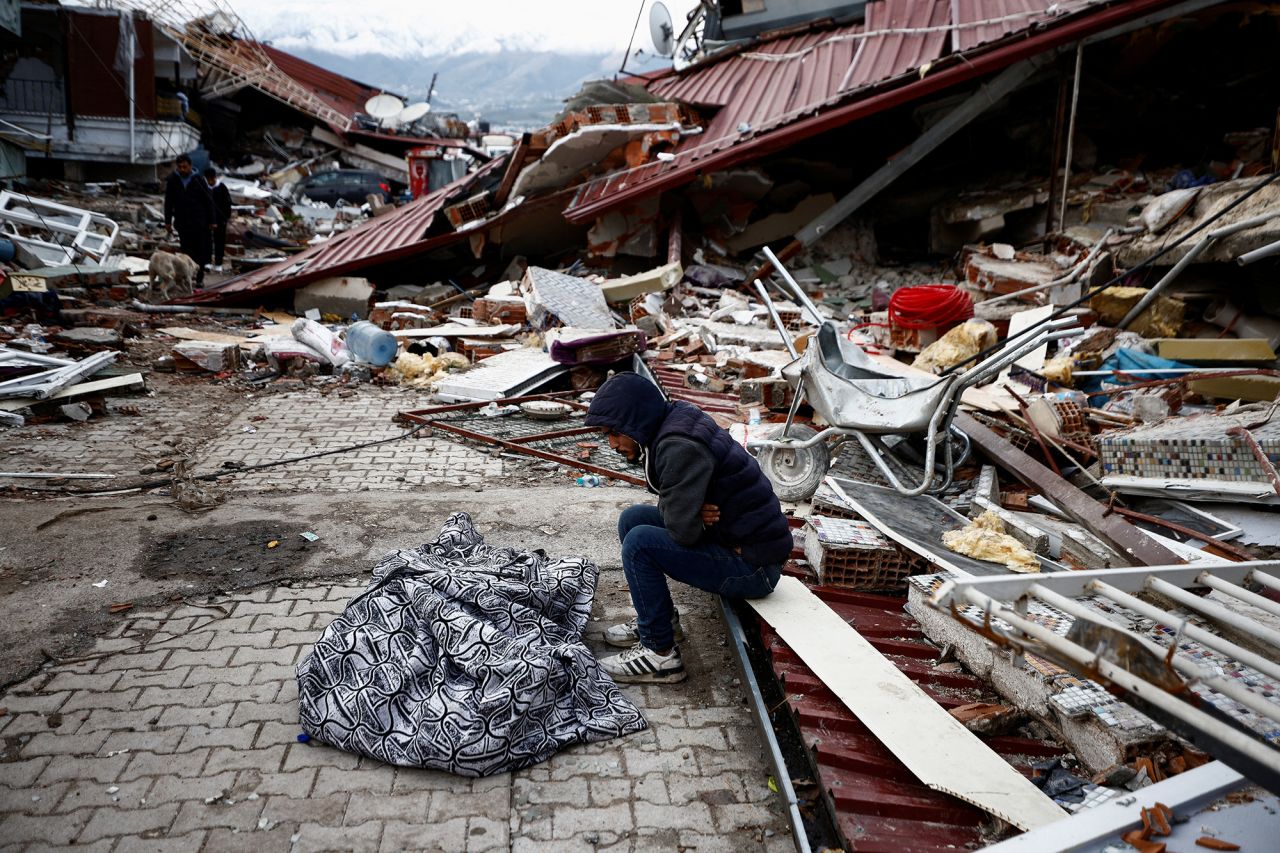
(689, 461)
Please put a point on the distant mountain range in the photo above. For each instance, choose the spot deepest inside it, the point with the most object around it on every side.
(511, 88)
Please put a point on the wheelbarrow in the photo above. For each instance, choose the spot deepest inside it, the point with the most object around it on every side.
(870, 401)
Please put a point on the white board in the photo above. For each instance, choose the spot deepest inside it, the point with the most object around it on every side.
(941, 752)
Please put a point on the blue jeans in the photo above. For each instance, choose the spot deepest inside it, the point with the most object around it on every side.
(650, 556)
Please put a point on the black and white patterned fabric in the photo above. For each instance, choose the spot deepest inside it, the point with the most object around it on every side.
(463, 657)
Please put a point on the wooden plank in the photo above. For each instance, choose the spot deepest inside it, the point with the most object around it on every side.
(115, 383)
(934, 746)
(1082, 509)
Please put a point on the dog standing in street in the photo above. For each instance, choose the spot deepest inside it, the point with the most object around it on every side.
(171, 270)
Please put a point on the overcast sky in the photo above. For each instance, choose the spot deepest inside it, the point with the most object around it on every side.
(408, 27)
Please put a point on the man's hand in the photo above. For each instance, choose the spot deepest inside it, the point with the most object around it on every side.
(710, 514)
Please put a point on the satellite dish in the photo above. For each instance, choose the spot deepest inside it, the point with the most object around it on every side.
(413, 112)
(385, 108)
(661, 30)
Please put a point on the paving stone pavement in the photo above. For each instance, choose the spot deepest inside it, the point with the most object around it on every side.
(304, 422)
(178, 732)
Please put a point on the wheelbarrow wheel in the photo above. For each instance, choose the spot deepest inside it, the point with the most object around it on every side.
(795, 472)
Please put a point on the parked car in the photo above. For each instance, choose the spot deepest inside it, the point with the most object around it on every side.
(351, 185)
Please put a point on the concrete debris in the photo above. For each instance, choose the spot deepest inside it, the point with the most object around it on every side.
(995, 364)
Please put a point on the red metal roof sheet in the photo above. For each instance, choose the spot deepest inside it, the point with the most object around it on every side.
(379, 240)
(880, 807)
(1005, 17)
(886, 56)
(345, 95)
(793, 83)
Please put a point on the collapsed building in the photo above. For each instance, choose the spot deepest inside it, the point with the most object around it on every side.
(923, 185)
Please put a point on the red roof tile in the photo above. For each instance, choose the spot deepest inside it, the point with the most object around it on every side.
(770, 95)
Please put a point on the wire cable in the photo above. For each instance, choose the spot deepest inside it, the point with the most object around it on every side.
(929, 306)
(242, 469)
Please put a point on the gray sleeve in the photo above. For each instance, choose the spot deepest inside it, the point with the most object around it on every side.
(684, 469)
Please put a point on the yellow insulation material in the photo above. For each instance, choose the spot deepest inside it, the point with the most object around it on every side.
(984, 539)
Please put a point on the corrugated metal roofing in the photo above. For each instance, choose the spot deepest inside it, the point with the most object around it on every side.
(1007, 16)
(378, 240)
(845, 72)
(345, 95)
(880, 807)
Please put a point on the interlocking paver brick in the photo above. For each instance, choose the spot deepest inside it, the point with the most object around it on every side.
(356, 839)
(182, 844)
(199, 788)
(31, 800)
(375, 779)
(125, 795)
(228, 734)
(111, 821)
(297, 784)
(445, 837)
(165, 740)
(70, 767)
(324, 811)
(56, 830)
(258, 841)
(24, 773)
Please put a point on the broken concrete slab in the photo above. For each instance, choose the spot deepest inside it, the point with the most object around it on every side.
(655, 280)
(90, 335)
(345, 296)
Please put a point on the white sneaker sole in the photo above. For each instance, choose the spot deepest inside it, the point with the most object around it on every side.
(674, 676)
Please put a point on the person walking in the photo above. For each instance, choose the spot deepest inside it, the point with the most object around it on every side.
(188, 207)
(222, 210)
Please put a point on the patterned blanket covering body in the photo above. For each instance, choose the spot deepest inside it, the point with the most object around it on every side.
(464, 657)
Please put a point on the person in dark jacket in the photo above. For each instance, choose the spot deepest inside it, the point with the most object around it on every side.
(188, 206)
(717, 526)
(222, 210)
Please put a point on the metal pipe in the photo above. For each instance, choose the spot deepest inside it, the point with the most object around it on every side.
(1215, 611)
(1227, 687)
(53, 475)
(1057, 282)
(761, 712)
(1264, 579)
(1190, 256)
(1227, 588)
(1232, 738)
(1262, 664)
(1258, 254)
(777, 321)
(1071, 137)
(799, 292)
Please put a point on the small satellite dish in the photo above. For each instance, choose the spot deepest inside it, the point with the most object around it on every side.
(413, 112)
(384, 108)
(661, 30)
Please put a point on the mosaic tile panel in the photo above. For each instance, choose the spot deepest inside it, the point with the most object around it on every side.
(1193, 448)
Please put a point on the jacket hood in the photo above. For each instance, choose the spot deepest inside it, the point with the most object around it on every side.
(629, 404)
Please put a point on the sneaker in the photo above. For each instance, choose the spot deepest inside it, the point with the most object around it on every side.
(638, 665)
(627, 634)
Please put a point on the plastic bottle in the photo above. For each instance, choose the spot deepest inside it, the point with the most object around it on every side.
(590, 481)
(753, 417)
(372, 345)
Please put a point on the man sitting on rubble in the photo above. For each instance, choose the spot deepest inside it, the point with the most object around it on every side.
(717, 526)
